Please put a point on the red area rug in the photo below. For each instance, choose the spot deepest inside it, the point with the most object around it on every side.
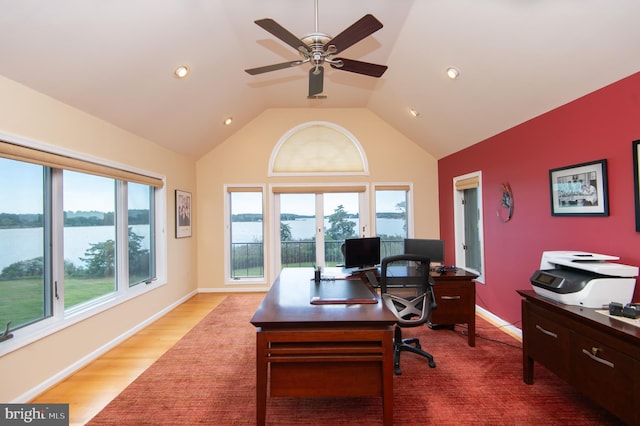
(208, 377)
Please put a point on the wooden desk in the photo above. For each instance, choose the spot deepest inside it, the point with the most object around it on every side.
(305, 350)
(597, 354)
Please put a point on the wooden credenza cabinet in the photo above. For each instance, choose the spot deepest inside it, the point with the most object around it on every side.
(597, 354)
(456, 297)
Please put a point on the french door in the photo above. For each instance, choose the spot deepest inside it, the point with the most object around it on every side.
(312, 224)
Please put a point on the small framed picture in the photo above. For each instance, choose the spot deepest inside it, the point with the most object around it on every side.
(579, 190)
(183, 214)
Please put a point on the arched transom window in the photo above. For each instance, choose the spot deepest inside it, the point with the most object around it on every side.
(318, 148)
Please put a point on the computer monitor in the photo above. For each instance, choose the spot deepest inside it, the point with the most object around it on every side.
(361, 253)
(433, 249)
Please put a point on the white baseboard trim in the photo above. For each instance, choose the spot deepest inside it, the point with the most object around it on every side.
(233, 290)
(84, 361)
(500, 323)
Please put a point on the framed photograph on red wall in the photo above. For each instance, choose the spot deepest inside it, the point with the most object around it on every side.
(636, 180)
(580, 190)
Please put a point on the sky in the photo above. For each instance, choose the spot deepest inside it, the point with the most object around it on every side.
(21, 190)
(21, 187)
(304, 204)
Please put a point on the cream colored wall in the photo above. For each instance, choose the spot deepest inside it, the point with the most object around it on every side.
(28, 114)
(244, 158)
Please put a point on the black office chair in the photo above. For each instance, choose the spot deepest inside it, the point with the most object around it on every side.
(407, 290)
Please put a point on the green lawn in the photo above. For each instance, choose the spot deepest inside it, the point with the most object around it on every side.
(23, 300)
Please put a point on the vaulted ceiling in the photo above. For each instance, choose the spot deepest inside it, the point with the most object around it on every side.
(517, 58)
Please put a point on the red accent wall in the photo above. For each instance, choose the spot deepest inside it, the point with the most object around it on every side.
(600, 125)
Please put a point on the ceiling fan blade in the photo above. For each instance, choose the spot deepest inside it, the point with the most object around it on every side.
(366, 68)
(316, 80)
(282, 33)
(365, 26)
(274, 67)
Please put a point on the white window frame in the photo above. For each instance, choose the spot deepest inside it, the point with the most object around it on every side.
(61, 319)
(228, 279)
(459, 222)
(385, 186)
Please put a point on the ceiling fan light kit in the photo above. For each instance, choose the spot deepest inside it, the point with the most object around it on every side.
(318, 49)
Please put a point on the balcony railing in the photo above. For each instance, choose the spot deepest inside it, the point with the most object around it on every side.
(247, 259)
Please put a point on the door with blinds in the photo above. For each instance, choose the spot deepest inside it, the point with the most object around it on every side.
(468, 222)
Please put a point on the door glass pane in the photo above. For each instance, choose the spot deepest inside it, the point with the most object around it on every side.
(341, 221)
(297, 230)
(247, 235)
(89, 237)
(24, 293)
(140, 201)
(391, 221)
(471, 230)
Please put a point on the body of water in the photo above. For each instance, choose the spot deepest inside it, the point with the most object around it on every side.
(28, 243)
(249, 232)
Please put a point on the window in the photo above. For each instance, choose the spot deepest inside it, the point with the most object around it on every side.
(318, 148)
(392, 223)
(298, 230)
(89, 237)
(314, 221)
(75, 237)
(341, 220)
(467, 198)
(140, 233)
(246, 261)
(25, 295)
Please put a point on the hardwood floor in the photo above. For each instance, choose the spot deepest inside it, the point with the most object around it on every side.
(90, 389)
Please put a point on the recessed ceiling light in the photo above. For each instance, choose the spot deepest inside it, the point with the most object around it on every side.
(228, 121)
(414, 112)
(182, 71)
(453, 73)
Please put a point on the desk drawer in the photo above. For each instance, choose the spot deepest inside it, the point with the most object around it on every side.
(453, 304)
(548, 342)
(605, 375)
(330, 379)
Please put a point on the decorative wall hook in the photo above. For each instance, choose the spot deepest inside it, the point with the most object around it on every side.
(505, 212)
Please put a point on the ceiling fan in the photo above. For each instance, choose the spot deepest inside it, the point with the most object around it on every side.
(318, 48)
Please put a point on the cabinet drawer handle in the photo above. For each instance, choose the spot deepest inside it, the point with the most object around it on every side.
(547, 332)
(450, 298)
(593, 355)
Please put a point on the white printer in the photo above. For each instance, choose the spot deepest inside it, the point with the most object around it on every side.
(584, 279)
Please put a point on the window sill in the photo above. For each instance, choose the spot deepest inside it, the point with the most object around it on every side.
(47, 327)
(245, 281)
